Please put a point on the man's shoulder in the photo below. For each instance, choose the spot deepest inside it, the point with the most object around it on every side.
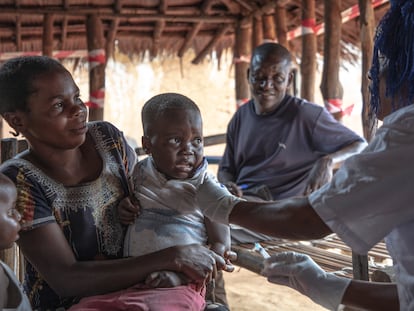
(304, 108)
(304, 104)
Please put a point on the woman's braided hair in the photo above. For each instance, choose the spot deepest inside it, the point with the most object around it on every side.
(394, 49)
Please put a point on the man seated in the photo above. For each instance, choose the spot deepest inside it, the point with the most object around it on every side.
(277, 145)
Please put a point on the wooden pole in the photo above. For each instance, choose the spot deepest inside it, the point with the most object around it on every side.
(241, 62)
(269, 28)
(257, 33)
(47, 44)
(331, 88)
(281, 27)
(97, 63)
(308, 62)
(367, 23)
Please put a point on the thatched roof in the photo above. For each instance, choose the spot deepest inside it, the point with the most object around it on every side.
(157, 26)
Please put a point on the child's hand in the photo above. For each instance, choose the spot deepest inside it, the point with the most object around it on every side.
(128, 211)
(227, 254)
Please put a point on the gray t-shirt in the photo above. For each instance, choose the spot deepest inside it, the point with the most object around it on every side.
(279, 149)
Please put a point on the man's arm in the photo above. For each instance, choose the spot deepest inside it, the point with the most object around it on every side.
(290, 219)
(371, 296)
(322, 170)
(342, 154)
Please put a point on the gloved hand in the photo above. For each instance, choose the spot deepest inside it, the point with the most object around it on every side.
(301, 273)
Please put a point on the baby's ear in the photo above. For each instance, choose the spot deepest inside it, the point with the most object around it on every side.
(146, 144)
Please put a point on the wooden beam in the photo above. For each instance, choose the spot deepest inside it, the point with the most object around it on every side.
(331, 88)
(118, 6)
(247, 5)
(269, 28)
(159, 28)
(257, 33)
(194, 31)
(231, 6)
(281, 26)
(47, 41)
(110, 38)
(163, 6)
(241, 62)
(265, 9)
(220, 33)
(18, 33)
(347, 15)
(308, 59)
(64, 32)
(66, 4)
(174, 15)
(97, 64)
(189, 38)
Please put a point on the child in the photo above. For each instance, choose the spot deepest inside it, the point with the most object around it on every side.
(11, 292)
(170, 176)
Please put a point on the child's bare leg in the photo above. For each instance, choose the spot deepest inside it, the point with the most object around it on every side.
(165, 279)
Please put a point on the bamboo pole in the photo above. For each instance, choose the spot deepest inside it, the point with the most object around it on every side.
(308, 62)
(241, 62)
(331, 87)
(97, 62)
(367, 22)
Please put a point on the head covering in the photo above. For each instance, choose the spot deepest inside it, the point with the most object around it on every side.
(394, 49)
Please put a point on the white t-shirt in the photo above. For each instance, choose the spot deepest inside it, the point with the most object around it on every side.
(371, 197)
(9, 285)
(161, 222)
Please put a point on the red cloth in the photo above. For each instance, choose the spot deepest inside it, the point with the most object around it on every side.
(180, 298)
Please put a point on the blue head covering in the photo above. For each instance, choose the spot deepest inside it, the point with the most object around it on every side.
(394, 49)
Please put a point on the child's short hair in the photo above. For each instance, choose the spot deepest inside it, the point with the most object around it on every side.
(156, 106)
(16, 77)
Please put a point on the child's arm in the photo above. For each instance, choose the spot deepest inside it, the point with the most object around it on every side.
(220, 242)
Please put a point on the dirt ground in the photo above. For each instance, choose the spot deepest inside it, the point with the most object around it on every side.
(247, 291)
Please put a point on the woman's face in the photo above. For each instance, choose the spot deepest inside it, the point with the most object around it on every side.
(56, 115)
(385, 102)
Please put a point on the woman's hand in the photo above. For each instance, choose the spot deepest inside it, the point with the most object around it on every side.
(196, 261)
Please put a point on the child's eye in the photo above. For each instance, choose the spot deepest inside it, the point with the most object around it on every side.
(58, 105)
(78, 99)
(174, 140)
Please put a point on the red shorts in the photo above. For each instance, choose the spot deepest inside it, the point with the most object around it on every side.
(177, 298)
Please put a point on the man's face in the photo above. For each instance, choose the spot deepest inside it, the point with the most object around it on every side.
(269, 77)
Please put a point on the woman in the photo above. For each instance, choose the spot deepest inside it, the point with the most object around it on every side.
(69, 183)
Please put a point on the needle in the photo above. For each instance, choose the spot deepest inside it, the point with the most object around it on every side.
(260, 249)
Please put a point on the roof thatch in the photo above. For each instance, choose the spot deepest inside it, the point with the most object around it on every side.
(155, 26)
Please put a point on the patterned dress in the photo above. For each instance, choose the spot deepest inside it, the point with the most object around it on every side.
(86, 212)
